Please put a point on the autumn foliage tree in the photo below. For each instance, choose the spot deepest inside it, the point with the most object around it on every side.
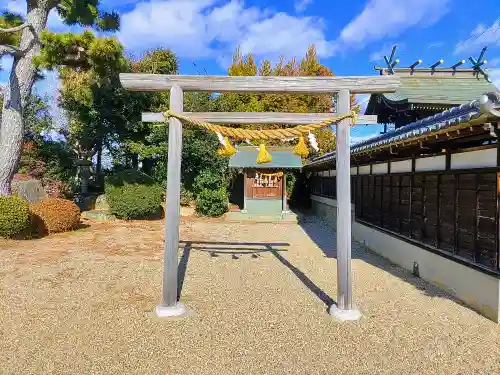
(309, 65)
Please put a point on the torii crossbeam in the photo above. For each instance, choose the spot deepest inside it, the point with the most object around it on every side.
(343, 86)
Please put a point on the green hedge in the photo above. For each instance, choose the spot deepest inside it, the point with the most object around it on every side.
(134, 201)
(208, 180)
(133, 195)
(14, 216)
(212, 203)
(129, 176)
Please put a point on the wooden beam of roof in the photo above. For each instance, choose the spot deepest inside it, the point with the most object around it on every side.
(451, 72)
(258, 117)
(163, 82)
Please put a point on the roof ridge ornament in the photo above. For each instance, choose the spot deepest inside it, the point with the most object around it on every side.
(391, 62)
(476, 68)
(435, 65)
(456, 65)
(477, 64)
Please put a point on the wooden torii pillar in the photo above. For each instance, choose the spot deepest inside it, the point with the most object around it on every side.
(343, 86)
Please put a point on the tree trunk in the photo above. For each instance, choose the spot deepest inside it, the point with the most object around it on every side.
(98, 166)
(21, 80)
(135, 161)
(84, 179)
(147, 165)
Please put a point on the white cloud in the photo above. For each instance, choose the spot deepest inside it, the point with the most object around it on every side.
(301, 5)
(287, 35)
(208, 29)
(495, 62)
(385, 50)
(175, 24)
(382, 18)
(15, 6)
(495, 77)
(480, 37)
(435, 44)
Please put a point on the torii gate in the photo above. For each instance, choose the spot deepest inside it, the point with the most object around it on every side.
(343, 86)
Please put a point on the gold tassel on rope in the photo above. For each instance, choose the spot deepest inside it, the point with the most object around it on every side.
(301, 148)
(264, 156)
(227, 149)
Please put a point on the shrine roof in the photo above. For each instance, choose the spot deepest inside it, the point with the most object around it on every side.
(437, 90)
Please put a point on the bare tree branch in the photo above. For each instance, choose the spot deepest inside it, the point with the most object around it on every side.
(14, 51)
(15, 29)
(11, 50)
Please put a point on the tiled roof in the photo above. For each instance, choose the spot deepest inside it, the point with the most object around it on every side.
(453, 116)
(487, 107)
(283, 157)
(445, 90)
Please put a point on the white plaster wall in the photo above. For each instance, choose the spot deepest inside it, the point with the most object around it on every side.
(474, 288)
(474, 159)
(327, 201)
(333, 173)
(380, 168)
(324, 200)
(401, 166)
(365, 169)
(479, 291)
(432, 163)
(354, 171)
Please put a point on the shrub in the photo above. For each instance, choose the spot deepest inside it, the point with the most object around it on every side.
(186, 196)
(129, 176)
(14, 216)
(212, 203)
(208, 180)
(290, 182)
(52, 215)
(159, 172)
(134, 201)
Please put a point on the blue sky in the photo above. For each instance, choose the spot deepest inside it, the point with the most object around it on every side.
(350, 36)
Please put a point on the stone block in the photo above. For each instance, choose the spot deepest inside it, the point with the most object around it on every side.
(101, 203)
(31, 191)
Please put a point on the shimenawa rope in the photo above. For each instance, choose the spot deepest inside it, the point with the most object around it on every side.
(239, 133)
(263, 156)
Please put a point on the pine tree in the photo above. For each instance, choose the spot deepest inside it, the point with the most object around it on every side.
(21, 39)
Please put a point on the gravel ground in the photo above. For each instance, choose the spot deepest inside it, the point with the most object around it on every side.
(82, 302)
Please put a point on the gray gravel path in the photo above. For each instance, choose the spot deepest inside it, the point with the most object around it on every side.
(81, 303)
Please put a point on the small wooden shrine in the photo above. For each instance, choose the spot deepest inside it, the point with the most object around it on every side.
(264, 185)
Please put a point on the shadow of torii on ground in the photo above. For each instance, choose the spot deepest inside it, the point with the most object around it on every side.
(324, 236)
(254, 249)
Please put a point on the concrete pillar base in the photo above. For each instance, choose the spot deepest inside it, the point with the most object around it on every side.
(344, 315)
(176, 311)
